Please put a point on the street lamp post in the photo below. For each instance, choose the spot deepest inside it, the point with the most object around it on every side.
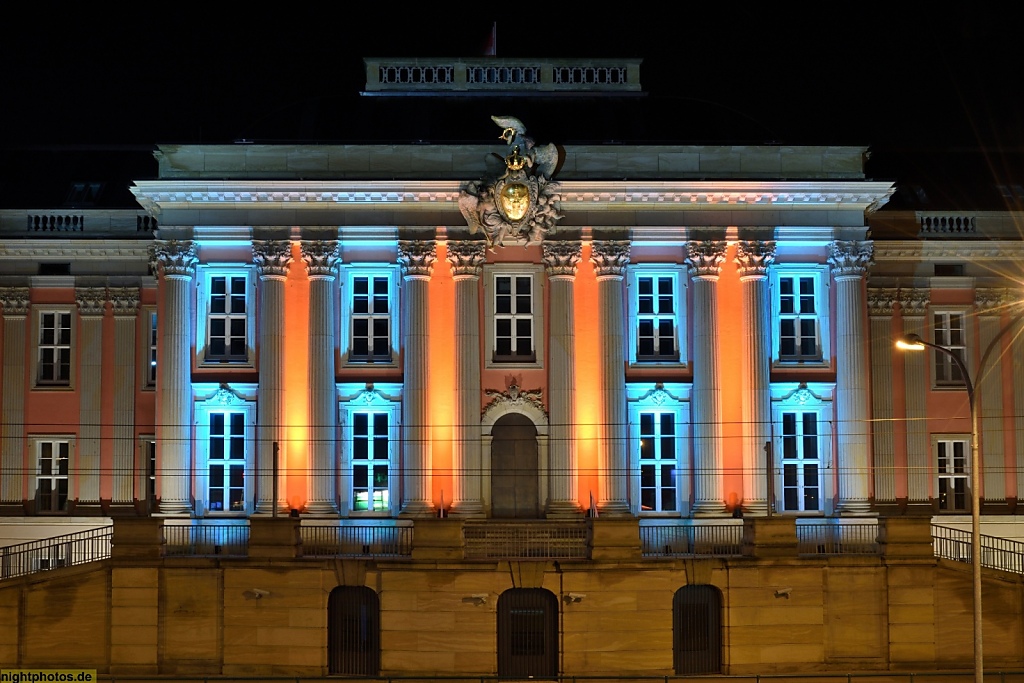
(913, 342)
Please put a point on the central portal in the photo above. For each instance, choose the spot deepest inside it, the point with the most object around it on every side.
(514, 491)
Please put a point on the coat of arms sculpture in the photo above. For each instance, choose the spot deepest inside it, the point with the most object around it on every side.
(521, 206)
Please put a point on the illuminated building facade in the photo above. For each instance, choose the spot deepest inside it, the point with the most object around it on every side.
(613, 420)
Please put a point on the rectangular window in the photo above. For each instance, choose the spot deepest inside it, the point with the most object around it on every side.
(656, 318)
(227, 318)
(513, 318)
(151, 364)
(951, 469)
(54, 367)
(658, 462)
(949, 333)
(798, 318)
(226, 462)
(800, 462)
(52, 475)
(371, 318)
(371, 457)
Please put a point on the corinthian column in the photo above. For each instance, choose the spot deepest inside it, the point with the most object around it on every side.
(176, 263)
(610, 260)
(125, 302)
(705, 259)
(467, 259)
(417, 261)
(849, 261)
(880, 308)
(913, 306)
(92, 305)
(560, 260)
(12, 472)
(272, 258)
(753, 259)
(321, 259)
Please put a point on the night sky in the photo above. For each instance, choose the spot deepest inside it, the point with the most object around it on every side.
(912, 85)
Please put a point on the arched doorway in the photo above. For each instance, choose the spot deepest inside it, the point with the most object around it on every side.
(527, 633)
(697, 630)
(353, 631)
(514, 463)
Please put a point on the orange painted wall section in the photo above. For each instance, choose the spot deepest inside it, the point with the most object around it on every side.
(588, 380)
(442, 376)
(730, 365)
(296, 354)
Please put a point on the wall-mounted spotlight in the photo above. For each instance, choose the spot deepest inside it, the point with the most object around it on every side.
(783, 593)
(255, 594)
(476, 599)
(571, 598)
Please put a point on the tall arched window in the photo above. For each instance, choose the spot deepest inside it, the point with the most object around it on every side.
(697, 630)
(527, 633)
(353, 631)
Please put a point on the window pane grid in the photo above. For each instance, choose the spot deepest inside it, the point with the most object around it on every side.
(513, 318)
(371, 318)
(370, 461)
(52, 476)
(801, 477)
(656, 318)
(54, 348)
(798, 319)
(226, 466)
(952, 473)
(658, 465)
(227, 319)
(949, 333)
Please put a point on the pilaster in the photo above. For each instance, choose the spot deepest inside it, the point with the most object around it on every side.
(880, 309)
(92, 305)
(15, 302)
(990, 304)
(125, 304)
(913, 304)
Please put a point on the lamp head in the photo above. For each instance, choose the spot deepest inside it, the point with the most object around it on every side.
(910, 342)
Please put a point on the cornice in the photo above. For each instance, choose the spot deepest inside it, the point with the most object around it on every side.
(101, 250)
(160, 195)
(961, 250)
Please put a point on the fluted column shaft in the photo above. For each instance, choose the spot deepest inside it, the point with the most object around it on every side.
(880, 309)
(610, 259)
(125, 302)
(272, 258)
(92, 304)
(321, 259)
(754, 259)
(177, 262)
(849, 261)
(467, 258)
(417, 261)
(704, 259)
(12, 403)
(913, 305)
(560, 260)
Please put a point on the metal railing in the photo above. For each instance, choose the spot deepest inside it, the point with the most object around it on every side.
(206, 540)
(714, 540)
(825, 538)
(58, 551)
(525, 540)
(357, 540)
(996, 553)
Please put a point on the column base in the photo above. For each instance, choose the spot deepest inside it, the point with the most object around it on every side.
(851, 508)
(320, 507)
(614, 508)
(755, 508)
(418, 509)
(466, 508)
(564, 509)
(174, 507)
(266, 507)
(710, 508)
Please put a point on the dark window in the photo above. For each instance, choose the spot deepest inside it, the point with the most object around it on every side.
(527, 633)
(353, 631)
(697, 630)
(949, 270)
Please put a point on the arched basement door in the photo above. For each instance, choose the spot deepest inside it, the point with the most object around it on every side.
(514, 463)
(353, 631)
(697, 630)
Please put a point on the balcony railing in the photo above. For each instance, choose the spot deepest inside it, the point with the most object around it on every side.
(826, 538)
(58, 551)
(996, 553)
(712, 540)
(356, 541)
(206, 540)
(525, 540)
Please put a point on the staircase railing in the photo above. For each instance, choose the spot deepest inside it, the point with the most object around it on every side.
(57, 551)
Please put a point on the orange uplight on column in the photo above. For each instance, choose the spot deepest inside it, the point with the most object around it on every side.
(295, 470)
(442, 376)
(588, 382)
(730, 354)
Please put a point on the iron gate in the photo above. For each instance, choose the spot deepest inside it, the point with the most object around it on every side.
(527, 633)
(697, 630)
(353, 631)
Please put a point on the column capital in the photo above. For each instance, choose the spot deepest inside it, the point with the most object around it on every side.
(881, 300)
(272, 257)
(417, 258)
(850, 259)
(321, 257)
(92, 301)
(705, 258)
(125, 300)
(914, 301)
(174, 258)
(467, 257)
(14, 300)
(561, 258)
(610, 257)
(753, 258)
(991, 301)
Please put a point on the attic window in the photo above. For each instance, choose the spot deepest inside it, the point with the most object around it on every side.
(84, 193)
(949, 270)
(55, 269)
